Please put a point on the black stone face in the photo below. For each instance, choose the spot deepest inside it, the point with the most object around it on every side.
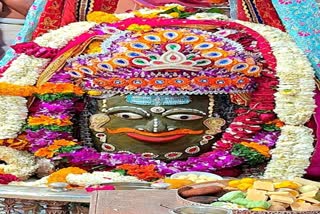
(140, 129)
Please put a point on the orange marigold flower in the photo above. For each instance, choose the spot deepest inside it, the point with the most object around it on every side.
(16, 90)
(60, 175)
(46, 120)
(53, 147)
(262, 149)
(44, 153)
(64, 143)
(146, 173)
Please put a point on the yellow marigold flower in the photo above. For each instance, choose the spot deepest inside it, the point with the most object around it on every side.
(147, 16)
(136, 27)
(99, 17)
(94, 93)
(94, 47)
(175, 15)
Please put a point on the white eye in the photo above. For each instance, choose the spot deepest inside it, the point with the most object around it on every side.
(128, 115)
(184, 117)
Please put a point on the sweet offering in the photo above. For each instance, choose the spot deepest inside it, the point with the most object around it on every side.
(261, 195)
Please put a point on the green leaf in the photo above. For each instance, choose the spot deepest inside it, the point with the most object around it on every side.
(68, 149)
(50, 127)
(172, 10)
(120, 171)
(214, 10)
(251, 156)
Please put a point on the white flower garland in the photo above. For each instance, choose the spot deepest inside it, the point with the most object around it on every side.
(13, 112)
(95, 178)
(24, 70)
(62, 36)
(208, 16)
(290, 158)
(19, 163)
(294, 105)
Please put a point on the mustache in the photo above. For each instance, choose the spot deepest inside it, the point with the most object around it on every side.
(168, 133)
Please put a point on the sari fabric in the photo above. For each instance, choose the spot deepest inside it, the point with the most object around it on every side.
(25, 34)
(50, 19)
(258, 11)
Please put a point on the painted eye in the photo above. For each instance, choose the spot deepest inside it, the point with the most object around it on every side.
(184, 117)
(128, 115)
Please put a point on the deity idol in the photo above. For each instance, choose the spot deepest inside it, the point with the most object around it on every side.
(165, 92)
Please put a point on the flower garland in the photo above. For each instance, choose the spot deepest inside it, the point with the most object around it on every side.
(7, 178)
(168, 11)
(290, 88)
(98, 177)
(290, 158)
(19, 163)
(62, 36)
(294, 105)
(49, 151)
(61, 175)
(13, 112)
(24, 70)
(147, 173)
(18, 143)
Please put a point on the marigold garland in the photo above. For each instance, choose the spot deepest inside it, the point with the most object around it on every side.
(49, 152)
(53, 88)
(16, 90)
(136, 27)
(19, 143)
(99, 17)
(94, 47)
(146, 173)
(46, 120)
(61, 175)
(262, 149)
(8, 89)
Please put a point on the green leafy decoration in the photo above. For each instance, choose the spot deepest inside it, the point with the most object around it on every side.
(270, 127)
(58, 96)
(68, 149)
(251, 156)
(49, 127)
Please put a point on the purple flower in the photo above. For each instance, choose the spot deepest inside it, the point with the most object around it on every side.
(267, 138)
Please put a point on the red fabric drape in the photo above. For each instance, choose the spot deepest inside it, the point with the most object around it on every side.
(58, 13)
(258, 11)
(50, 18)
(68, 13)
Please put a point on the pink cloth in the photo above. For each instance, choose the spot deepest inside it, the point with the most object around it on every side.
(188, 3)
(313, 171)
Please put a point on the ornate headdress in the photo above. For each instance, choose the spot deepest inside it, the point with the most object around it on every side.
(168, 61)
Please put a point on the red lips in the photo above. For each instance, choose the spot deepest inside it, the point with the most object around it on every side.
(155, 139)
